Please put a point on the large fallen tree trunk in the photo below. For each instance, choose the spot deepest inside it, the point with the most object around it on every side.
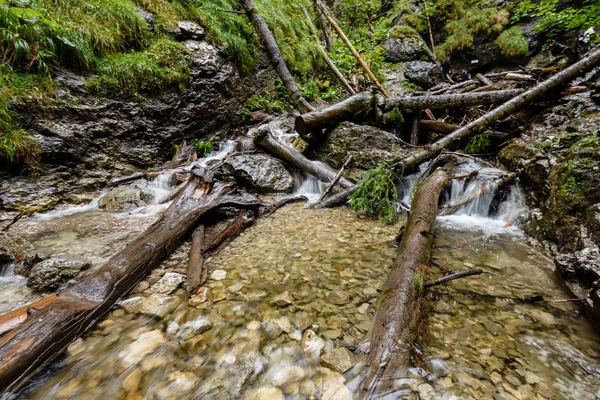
(393, 329)
(46, 334)
(274, 53)
(359, 108)
(263, 138)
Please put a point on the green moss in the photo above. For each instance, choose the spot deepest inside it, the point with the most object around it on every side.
(479, 144)
(512, 42)
(395, 117)
(400, 31)
(411, 87)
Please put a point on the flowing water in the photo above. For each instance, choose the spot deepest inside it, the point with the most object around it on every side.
(245, 335)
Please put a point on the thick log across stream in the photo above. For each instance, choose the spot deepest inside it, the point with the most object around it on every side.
(395, 321)
(46, 334)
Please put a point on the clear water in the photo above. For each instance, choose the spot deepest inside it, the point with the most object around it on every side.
(483, 338)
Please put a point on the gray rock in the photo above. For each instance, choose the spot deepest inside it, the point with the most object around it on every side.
(195, 327)
(272, 329)
(51, 274)
(168, 283)
(126, 198)
(403, 44)
(283, 299)
(188, 30)
(580, 266)
(368, 146)
(423, 73)
(265, 173)
(339, 360)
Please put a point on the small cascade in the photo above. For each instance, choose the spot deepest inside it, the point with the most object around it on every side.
(308, 186)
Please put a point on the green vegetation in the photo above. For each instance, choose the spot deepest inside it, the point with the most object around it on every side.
(555, 20)
(479, 144)
(512, 42)
(400, 31)
(202, 147)
(375, 194)
(394, 118)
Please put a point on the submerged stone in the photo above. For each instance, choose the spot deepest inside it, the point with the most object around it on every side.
(51, 274)
(265, 173)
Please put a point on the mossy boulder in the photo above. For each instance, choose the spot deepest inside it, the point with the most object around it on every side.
(403, 43)
(53, 273)
(369, 147)
(126, 198)
(264, 173)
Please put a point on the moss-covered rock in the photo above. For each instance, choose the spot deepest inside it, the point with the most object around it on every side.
(368, 146)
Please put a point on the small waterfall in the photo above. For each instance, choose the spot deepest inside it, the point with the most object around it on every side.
(309, 186)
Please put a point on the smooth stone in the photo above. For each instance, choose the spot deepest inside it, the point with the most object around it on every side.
(339, 360)
(284, 323)
(543, 317)
(265, 393)
(76, 347)
(200, 297)
(332, 334)
(253, 325)
(363, 308)
(236, 287)
(338, 297)
(132, 381)
(195, 327)
(531, 378)
(168, 283)
(140, 287)
(333, 386)
(425, 390)
(218, 275)
(288, 375)
(272, 329)
(283, 299)
(370, 292)
(145, 344)
(105, 324)
(496, 378)
(178, 382)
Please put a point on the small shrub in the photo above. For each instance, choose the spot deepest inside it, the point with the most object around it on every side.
(202, 147)
(479, 144)
(375, 193)
(512, 42)
(395, 117)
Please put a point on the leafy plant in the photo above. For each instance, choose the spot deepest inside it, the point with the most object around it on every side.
(479, 143)
(395, 117)
(202, 147)
(375, 194)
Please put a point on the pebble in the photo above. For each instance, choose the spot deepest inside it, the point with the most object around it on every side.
(168, 283)
(145, 344)
(236, 287)
(265, 393)
(339, 360)
(200, 297)
(332, 334)
(283, 299)
(253, 325)
(140, 287)
(531, 378)
(425, 391)
(288, 375)
(543, 317)
(132, 381)
(363, 308)
(338, 297)
(218, 275)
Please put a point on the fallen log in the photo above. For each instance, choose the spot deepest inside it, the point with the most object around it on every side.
(46, 334)
(263, 138)
(360, 106)
(337, 199)
(11, 320)
(392, 332)
(353, 108)
(274, 53)
(444, 127)
(484, 80)
(518, 77)
(414, 129)
(134, 177)
(14, 221)
(452, 277)
(195, 274)
(480, 124)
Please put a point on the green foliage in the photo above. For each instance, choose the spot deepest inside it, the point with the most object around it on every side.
(395, 117)
(419, 281)
(479, 144)
(375, 193)
(202, 147)
(270, 102)
(410, 86)
(400, 31)
(162, 65)
(554, 20)
(512, 42)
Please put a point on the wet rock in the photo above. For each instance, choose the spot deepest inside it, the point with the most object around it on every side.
(187, 30)
(218, 275)
(283, 299)
(302, 320)
(339, 360)
(338, 297)
(272, 329)
(156, 305)
(179, 382)
(265, 393)
(145, 344)
(132, 381)
(311, 346)
(140, 287)
(168, 283)
(195, 327)
(368, 146)
(199, 298)
(543, 317)
(126, 198)
(423, 73)
(580, 266)
(51, 274)
(288, 375)
(425, 391)
(332, 334)
(9, 246)
(403, 44)
(265, 173)
(332, 385)
(76, 347)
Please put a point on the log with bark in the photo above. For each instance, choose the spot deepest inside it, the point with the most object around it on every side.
(46, 334)
(392, 333)
(195, 273)
(335, 180)
(265, 34)
(263, 138)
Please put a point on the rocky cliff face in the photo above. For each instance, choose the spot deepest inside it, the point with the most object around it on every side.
(88, 138)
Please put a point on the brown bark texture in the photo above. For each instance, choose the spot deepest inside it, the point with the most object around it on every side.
(195, 268)
(47, 333)
(392, 332)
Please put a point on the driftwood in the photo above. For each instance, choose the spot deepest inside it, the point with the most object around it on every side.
(392, 332)
(14, 221)
(483, 79)
(444, 127)
(518, 77)
(451, 100)
(195, 273)
(274, 53)
(452, 277)
(11, 320)
(46, 334)
(335, 180)
(134, 177)
(264, 138)
(337, 199)
(345, 39)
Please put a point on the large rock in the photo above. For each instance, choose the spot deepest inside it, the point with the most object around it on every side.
(423, 73)
(263, 172)
(51, 274)
(368, 146)
(188, 30)
(126, 198)
(145, 344)
(403, 44)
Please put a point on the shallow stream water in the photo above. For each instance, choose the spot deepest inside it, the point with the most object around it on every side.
(289, 301)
